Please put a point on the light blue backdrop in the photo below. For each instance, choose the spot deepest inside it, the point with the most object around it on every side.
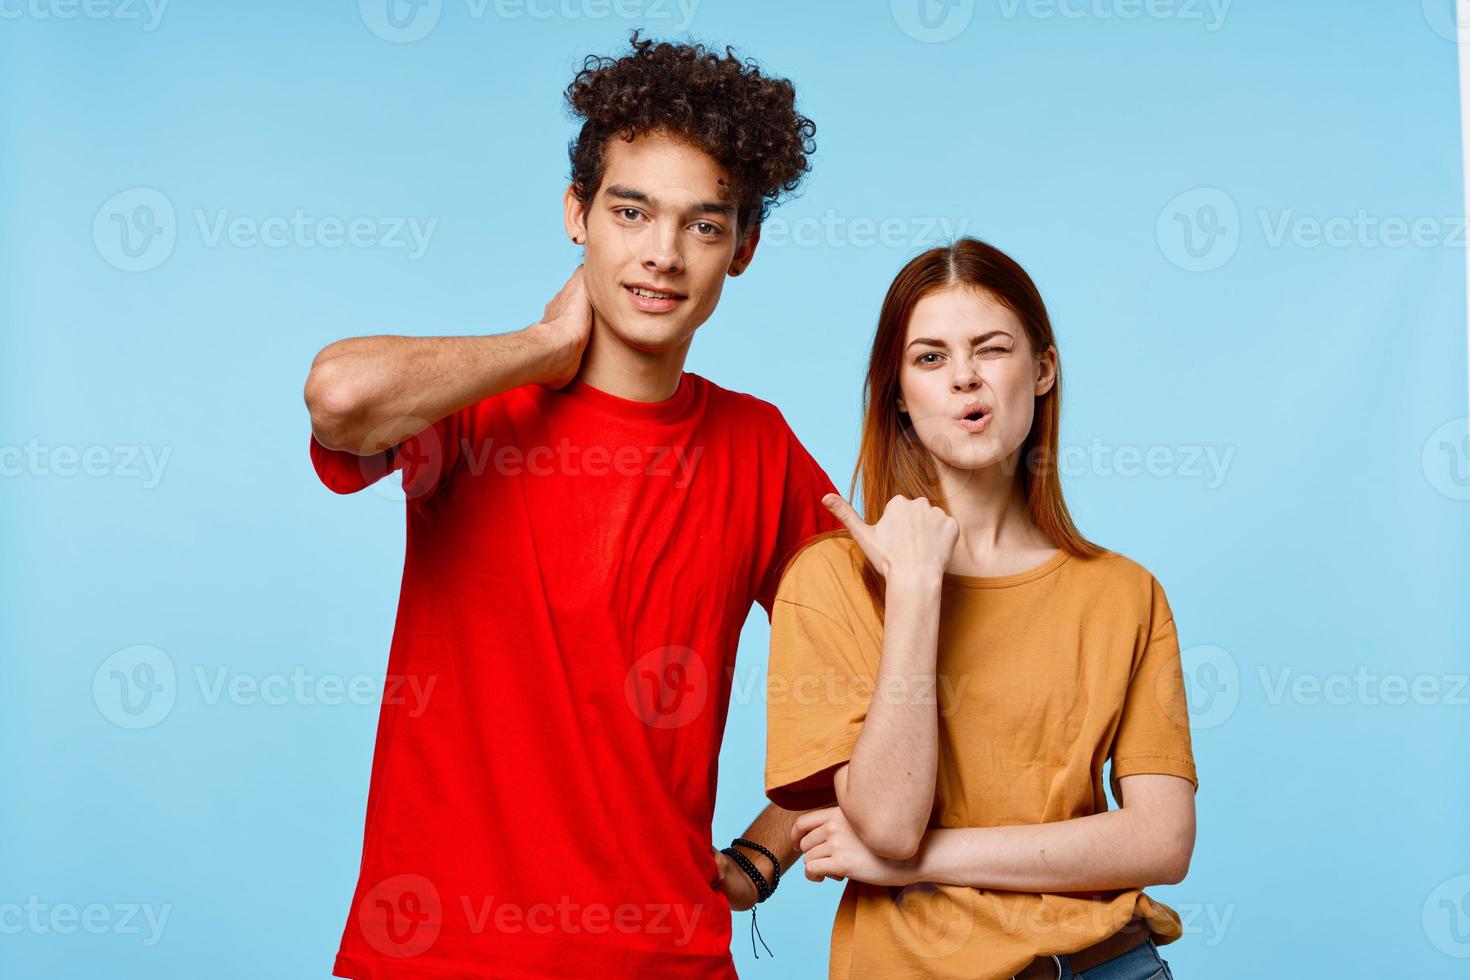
(1246, 218)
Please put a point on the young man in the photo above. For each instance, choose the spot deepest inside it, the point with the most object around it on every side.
(588, 527)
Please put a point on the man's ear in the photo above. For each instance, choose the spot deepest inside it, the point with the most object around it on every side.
(745, 251)
(575, 216)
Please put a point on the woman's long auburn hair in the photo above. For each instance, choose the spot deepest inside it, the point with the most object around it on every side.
(891, 459)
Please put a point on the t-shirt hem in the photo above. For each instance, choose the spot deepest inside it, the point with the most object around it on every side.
(1139, 765)
(784, 784)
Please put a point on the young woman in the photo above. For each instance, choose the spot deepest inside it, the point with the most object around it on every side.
(949, 675)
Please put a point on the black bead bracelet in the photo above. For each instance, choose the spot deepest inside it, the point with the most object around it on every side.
(763, 889)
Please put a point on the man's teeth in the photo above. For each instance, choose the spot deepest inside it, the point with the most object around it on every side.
(650, 294)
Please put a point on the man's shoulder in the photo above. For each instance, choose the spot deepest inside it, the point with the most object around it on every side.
(748, 408)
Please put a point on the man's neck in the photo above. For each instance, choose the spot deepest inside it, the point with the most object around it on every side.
(610, 365)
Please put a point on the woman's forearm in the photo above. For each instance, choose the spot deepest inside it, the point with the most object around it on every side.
(1116, 849)
(887, 788)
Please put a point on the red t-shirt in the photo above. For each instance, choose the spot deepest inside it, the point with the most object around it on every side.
(577, 571)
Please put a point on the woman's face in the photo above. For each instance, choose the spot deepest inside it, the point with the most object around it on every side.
(969, 378)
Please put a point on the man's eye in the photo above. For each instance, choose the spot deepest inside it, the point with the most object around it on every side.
(705, 228)
(629, 213)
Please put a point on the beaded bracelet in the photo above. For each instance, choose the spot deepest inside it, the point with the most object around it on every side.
(763, 888)
(776, 874)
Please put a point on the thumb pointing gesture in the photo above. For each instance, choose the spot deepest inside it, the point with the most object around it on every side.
(844, 512)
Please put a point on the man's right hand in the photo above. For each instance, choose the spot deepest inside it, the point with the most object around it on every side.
(566, 326)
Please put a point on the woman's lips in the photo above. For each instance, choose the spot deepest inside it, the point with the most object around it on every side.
(650, 304)
(975, 427)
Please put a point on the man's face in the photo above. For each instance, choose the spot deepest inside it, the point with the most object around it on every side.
(660, 238)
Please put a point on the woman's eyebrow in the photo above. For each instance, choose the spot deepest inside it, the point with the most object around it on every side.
(931, 342)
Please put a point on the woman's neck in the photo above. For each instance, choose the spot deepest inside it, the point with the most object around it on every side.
(997, 534)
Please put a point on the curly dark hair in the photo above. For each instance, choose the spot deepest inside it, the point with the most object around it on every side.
(745, 120)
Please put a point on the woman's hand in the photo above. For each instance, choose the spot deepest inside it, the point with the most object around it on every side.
(832, 849)
(913, 538)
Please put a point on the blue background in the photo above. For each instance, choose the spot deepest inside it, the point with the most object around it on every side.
(1332, 377)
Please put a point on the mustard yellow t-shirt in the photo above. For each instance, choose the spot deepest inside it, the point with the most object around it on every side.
(1041, 677)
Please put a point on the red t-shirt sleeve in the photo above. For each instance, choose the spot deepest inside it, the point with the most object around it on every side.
(427, 459)
(802, 515)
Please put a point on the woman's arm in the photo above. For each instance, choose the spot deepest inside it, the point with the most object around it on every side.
(1148, 841)
(887, 787)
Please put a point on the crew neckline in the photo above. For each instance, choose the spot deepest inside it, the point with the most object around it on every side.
(669, 409)
(1015, 578)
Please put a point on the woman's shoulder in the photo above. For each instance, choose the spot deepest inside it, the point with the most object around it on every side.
(1118, 575)
(826, 568)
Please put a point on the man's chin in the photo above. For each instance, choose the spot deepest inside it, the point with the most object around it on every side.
(650, 338)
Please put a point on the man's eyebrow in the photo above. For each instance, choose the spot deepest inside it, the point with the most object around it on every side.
(930, 342)
(703, 207)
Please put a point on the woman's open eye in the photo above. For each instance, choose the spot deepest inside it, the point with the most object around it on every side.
(924, 358)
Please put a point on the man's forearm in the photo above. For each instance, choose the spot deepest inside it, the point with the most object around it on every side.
(772, 830)
(368, 393)
(1097, 852)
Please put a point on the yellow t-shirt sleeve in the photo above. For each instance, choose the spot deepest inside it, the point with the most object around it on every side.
(819, 678)
(1153, 732)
